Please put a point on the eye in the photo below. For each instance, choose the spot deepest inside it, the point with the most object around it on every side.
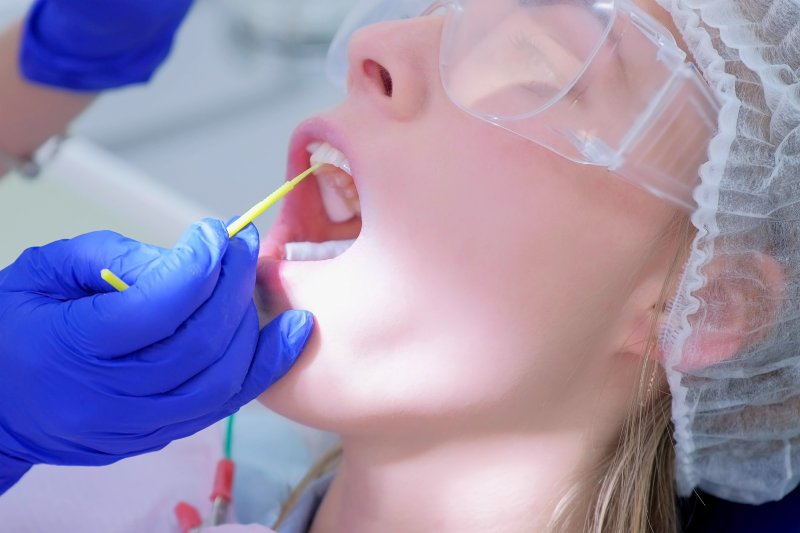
(533, 62)
(542, 90)
(522, 41)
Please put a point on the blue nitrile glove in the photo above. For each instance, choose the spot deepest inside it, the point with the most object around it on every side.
(89, 375)
(91, 45)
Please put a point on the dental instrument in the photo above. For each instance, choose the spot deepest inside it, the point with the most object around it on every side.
(237, 225)
(259, 209)
(114, 280)
(222, 495)
(188, 516)
(189, 519)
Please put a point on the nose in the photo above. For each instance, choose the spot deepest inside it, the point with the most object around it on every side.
(395, 65)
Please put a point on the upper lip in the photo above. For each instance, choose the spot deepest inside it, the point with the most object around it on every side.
(317, 129)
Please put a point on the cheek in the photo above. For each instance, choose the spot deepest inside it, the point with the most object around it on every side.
(504, 237)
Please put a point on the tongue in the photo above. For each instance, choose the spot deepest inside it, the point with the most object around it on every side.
(315, 251)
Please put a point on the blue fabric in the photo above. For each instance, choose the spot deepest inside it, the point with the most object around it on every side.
(91, 45)
(302, 516)
(706, 513)
(89, 375)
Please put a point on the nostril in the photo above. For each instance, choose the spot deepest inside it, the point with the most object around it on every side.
(377, 72)
(388, 86)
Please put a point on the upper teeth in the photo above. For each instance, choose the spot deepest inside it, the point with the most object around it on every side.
(328, 155)
(338, 191)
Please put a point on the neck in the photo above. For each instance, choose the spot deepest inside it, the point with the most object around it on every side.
(500, 482)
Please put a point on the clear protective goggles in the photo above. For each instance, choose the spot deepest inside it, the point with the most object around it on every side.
(598, 82)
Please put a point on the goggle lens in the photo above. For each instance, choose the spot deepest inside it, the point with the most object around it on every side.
(509, 58)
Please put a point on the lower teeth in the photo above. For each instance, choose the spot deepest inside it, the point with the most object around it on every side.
(315, 251)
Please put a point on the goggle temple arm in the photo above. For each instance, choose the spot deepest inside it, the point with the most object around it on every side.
(672, 140)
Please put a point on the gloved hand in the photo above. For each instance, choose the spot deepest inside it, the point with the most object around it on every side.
(89, 375)
(91, 45)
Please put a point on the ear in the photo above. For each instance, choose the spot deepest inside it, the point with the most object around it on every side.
(740, 302)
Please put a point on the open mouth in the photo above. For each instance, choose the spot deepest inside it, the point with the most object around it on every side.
(321, 219)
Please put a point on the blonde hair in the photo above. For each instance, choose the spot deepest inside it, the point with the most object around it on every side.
(633, 490)
(326, 464)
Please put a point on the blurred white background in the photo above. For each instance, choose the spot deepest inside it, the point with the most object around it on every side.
(212, 128)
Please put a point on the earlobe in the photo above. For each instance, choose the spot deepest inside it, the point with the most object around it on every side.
(740, 301)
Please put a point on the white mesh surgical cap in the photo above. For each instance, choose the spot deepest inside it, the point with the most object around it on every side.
(732, 341)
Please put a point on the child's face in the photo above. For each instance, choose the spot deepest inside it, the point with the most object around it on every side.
(493, 282)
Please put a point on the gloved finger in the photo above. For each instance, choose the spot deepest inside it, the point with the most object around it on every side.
(279, 346)
(164, 297)
(204, 337)
(205, 393)
(70, 269)
(131, 23)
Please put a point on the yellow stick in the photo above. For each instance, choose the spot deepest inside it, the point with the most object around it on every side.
(236, 226)
(258, 209)
(113, 280)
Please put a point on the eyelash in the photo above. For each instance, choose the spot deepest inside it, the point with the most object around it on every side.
(522, 41)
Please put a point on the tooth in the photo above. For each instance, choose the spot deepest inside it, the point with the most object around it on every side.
(335, 182)
(313, 251)
(326, 154)
(336, 205)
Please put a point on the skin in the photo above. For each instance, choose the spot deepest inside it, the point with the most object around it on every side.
(31, 113)
(478, 346)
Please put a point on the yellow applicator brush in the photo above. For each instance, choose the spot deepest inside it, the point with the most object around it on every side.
(259, 209)
(237, 225)
(114, 280)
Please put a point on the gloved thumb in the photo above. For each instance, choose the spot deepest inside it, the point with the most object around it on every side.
(163, 297)
(279, 346)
